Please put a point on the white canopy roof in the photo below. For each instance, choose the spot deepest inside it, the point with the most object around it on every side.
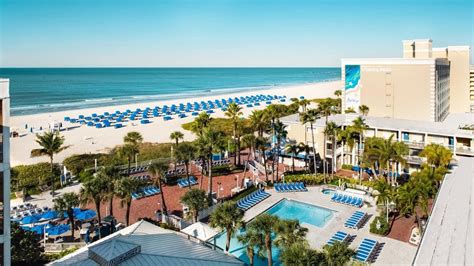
(200, 231)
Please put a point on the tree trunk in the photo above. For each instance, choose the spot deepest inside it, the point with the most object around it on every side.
(293, 163)
(314, 150)
(70, 214)
(111, 205)
(268, 246)
(129, 164)
(228, 237)
(163, 203)
(235, 145)
(186, 165)
(250, 255)
(52, 175)
(334, 149)
(97, 208)
(358, 159)
(127, 212)
(238, 151)
(196, 215)
(209, 186)
(265, 166)
(324, 151)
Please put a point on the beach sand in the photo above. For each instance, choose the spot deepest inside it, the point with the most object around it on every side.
(91, 140)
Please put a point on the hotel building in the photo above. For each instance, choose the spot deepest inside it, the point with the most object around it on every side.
(5, 172)
(471, 88)
(426, 84)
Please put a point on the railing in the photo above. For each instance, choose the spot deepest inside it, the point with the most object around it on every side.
(465, 151)
(414, 144)
(338, 151)
(415, 159)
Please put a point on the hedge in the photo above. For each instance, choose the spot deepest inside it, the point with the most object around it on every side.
(384, 227)
(33, 177)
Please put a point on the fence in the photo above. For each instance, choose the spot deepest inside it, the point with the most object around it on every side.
(58, 247)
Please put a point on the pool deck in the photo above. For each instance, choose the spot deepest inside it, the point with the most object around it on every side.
(393, 252)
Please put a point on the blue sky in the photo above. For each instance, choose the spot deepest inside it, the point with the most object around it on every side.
(222, 32)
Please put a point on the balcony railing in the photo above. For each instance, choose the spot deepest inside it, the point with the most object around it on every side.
(415, 160)
(465, 151)
(414, 144)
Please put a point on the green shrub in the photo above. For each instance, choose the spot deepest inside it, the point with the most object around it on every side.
(384, 227)
(308, 179)
(347, 166)
(32, 177)
(78, 162)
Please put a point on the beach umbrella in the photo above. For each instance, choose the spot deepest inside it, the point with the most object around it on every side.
(86, 215)
(49, 215)
(38, 229)
(57, 230)
(30, 219)
(75, 212)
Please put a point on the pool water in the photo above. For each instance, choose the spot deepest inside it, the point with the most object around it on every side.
(328, 191)
(285, 209)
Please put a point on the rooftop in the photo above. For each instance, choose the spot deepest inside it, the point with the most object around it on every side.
(146, 244)
(449, 127)
(448, 236)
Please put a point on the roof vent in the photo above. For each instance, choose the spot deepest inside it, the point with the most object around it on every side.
(114, 252)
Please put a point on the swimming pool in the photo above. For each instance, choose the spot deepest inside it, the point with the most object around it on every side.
(285, 209)
(328, 191)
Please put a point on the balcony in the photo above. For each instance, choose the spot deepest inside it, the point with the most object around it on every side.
(338, 152)
(414, 144)
(415, 160)
(469, 151)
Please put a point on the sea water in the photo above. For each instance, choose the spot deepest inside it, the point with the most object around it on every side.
(41, 90)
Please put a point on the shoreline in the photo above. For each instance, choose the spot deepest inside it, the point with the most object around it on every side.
(91, 140)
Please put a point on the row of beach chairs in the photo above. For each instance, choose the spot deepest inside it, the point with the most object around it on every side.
(356, 220)
(142, 177)
(183, 182)
(145, 192)
(135, 170)
(252, 199)
(366, 250)
(349, 200)
(176, 172)
(290, 187)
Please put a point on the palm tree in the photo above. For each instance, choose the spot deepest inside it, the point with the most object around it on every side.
(359, 126)
(124, 189)
(310, 116)
(259, 121)
(306, 149)
(326, 108)
(249, 141)
(128, 151)
(133, 137)
(294, 149)
(202, 121)
(289, 232)
(51, 143)
(196, 201)
(208, 142)
(264, 225)
(338, 253)
(281, 134)
(386, 194)
(185, 153)
(110, 174)
(253, 241)
(158, 171)
(437, 155)
(228, 217)
(234, 113)
(176, 136)
(261, 145)
(333, 130)
(94, 190)
(364, 110)
(301, 254)
(66, 204)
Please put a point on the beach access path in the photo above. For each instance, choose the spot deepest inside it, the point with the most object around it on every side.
(92, 140)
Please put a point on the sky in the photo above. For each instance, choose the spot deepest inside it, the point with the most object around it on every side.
(226, 33)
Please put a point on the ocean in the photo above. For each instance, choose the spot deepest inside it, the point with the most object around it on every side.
(41, 90)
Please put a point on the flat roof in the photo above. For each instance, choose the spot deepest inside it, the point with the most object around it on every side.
(449, 128)
(448, 236)
(390, 61)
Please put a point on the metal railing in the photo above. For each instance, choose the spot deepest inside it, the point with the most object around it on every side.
(59, 247)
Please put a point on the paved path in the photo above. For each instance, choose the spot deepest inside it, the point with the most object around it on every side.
(45, 198)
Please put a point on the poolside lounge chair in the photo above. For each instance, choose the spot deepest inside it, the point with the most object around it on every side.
(355, 220)
(366, 250)
(252, 199)
(338, 236)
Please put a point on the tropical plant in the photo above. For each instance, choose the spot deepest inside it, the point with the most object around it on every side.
(196, 201)
(437, 155)
(66, 204)
(25, 248)
(94, 191)
(326, 108)
(253, 240)
(124, 189)
(234, 113)
(364, 110)
(358, 127)
(306, 149)
(202, 121)
(280, 134)
(259, 121)
(380, 226)
(294, 150)
(110, 174)
(228, 217)
(310, 116)
(176, 136)
(301, 254)
(185, 153)
(289, 232)
(386, 194)
(261, 145)
(333, 130)
(127, 151)
(133, 137)
(158, 171)
(249, 141)
(264, 225)
(51, 143)
(338, 253)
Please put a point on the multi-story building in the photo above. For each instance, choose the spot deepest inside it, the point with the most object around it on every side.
(471, 88)
(426, 84)
(5, 172)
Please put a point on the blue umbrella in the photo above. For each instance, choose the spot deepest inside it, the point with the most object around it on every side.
(39, 229)
(75, 212)
(30, 219)
(86, 215)
(58, 230)
(49, 215)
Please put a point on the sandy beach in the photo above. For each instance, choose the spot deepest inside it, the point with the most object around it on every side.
(91, 140)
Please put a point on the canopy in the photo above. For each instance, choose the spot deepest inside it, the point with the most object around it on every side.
(49, 215)
(58, 230)
(38, 229)
(200, 231)
(85, 215)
